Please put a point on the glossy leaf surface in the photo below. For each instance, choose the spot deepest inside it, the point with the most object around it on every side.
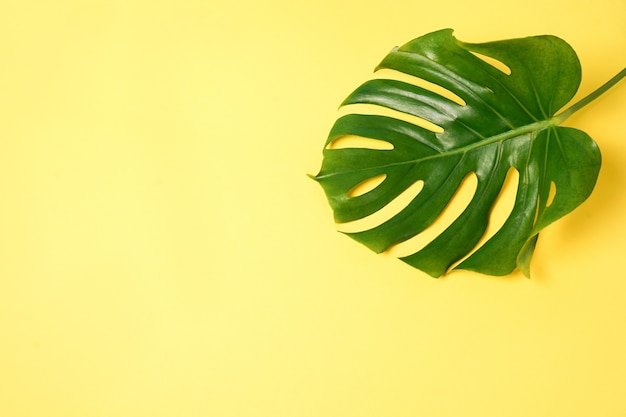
(482, 120)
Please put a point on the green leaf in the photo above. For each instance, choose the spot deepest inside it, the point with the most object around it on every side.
(464, 115)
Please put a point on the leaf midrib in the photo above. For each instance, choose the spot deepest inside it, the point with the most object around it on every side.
(534, 127)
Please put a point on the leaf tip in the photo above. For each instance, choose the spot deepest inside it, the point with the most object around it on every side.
(313, 177)
(525, 255)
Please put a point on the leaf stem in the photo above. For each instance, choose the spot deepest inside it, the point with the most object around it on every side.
(561, 117)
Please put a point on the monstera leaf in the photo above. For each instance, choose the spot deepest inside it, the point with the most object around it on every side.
(495, 110)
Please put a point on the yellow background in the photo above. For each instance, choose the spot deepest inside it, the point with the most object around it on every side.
(162, 252)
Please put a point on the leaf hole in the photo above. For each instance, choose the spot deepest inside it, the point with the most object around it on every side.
(499, 65)
(376, 219)
(551, 194)
(388, 74)
(373, 109)
(458, 203)
(366, 186)
(502, 208)
(352, 141)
